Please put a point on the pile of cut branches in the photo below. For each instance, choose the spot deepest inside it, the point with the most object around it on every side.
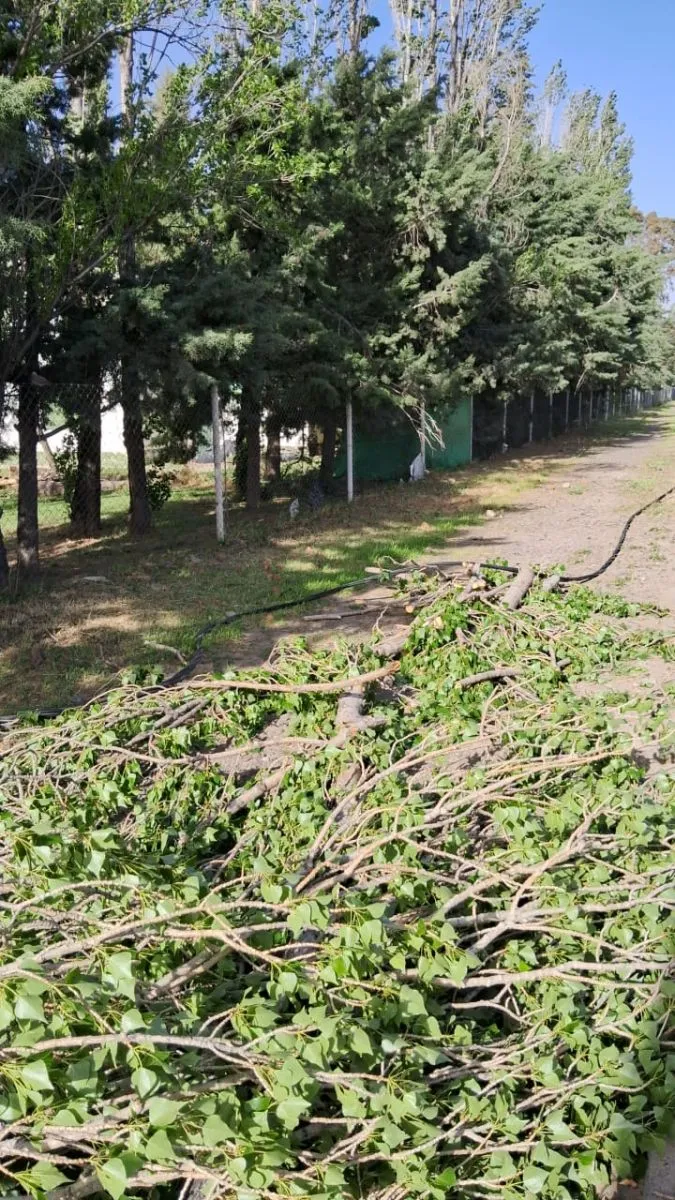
(350, 927)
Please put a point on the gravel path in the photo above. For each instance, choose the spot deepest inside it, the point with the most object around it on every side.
(576, 518)
(573, 518)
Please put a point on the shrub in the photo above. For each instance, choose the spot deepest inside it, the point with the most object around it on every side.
(160, 483)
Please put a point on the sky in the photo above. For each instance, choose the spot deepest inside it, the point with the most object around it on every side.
(609, 45)
(629, 48)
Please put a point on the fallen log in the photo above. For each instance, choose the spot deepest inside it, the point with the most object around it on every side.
(517, 591)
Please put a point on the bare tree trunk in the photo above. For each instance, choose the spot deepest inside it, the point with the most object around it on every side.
(273, 447)
(313, 440)
(240, 457)
(328, 450)
(140, 515)
(86, 502)
(252, 456)
(4, 563)
(27, 538)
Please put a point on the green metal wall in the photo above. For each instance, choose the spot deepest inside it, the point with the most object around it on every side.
(457, 428)
(388, 453)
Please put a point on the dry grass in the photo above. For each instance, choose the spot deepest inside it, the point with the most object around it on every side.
(106, 604)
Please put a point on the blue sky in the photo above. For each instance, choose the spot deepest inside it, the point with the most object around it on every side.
(629, 48)
(609, 45)
(613, 46)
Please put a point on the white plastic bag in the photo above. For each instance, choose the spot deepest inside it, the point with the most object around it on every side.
(417, 469)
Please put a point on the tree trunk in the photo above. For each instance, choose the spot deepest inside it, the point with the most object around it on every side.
(85, 509)
(313, 440)
(140, 516)
(27, 540)
(4, 563)
(240, 457)
(328, 451)
(252, 457)
(273, 448)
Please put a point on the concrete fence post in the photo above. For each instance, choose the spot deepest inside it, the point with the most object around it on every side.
(218, 459)
(349, 422)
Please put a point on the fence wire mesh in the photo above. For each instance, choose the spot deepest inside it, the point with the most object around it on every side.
(66, 442)
(502, 425)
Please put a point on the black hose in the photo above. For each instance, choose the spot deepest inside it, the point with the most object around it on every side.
(184, 672)
(619, 545)
(263, 609)
(45, 714)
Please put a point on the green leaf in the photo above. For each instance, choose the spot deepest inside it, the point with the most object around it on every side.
(287, 981)
(29, 1008)
(557, 1126)
(162, 1112)
(132, 1020)
(360, 1042)
(351, 1104)
(96, 862)
(36, 1076)
(411, 1002)
(6, 1015)
(392, 1135)
(119, 970)
(534, 1178)
(289, 1111)
(215, 1131)
(158, 1148)
(446, 1179)
(300, 918)
(112, 1176)
(271, 892)
(144, 1081)
(44, 1176)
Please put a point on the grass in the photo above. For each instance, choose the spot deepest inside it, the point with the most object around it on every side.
(107, 603)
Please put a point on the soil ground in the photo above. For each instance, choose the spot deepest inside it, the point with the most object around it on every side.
(111, 602)
(576, 517)
(564, 504)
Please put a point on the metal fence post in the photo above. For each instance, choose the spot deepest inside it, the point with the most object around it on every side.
(550, 414)
(505, 418)
(217, 434)
(423, 435)
(567, 408)
(580, 401)
(531, 431)
(350, 451)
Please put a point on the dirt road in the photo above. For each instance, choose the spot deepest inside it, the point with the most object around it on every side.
(576, 517)
(560, 503)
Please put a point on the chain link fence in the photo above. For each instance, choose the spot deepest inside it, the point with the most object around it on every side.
(74, 451)
(504, 425)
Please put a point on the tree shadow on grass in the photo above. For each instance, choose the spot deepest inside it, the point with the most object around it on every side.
(108, 603)
(112, 602)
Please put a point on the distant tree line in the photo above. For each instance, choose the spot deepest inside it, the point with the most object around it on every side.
(302, 221)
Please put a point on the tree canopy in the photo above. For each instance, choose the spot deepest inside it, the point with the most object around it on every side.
(251, 196)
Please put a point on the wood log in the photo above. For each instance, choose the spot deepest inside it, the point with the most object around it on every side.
(518, 590)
